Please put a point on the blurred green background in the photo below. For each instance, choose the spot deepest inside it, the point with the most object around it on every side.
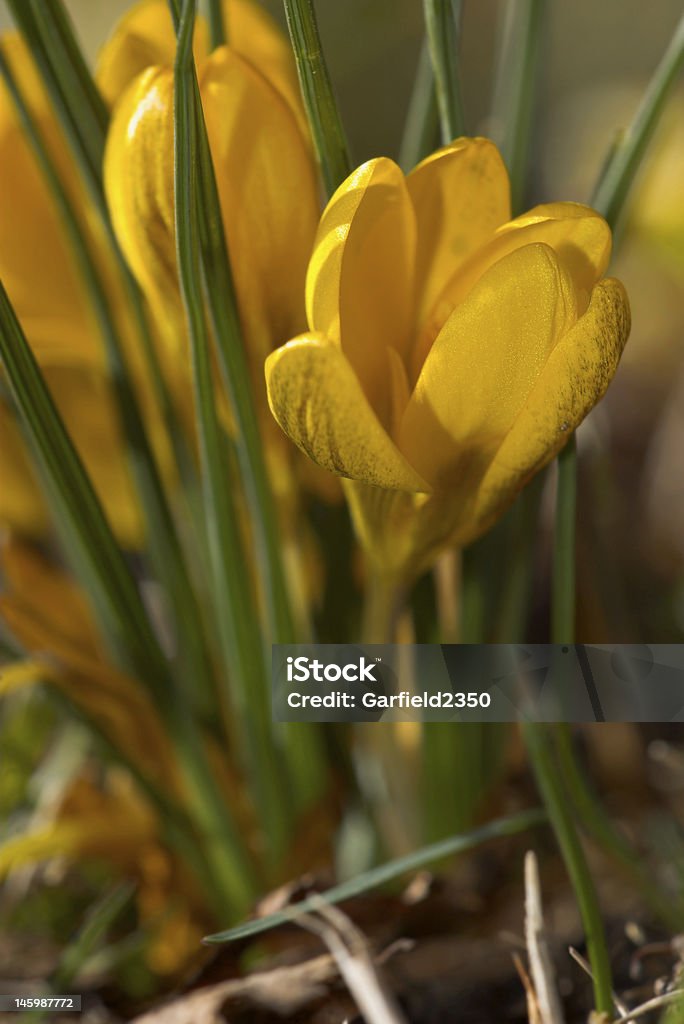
(372, 48)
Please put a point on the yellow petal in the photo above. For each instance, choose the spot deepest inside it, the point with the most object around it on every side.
(359, 288)
(461, 195)
(483, 365)
(138, 178)
(316, 398)
(254, 35)
(574, 379)
(577, 234)
(269, 197)
(143, 37)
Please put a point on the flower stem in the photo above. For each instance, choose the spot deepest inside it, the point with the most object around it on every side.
(381, 605)
(442, 23)
(319, 101)
(563, 584)
(421, 129)
(550, 783)
(514, 88)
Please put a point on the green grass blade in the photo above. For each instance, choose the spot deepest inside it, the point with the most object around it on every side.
(301, 744)
(626, 156)
(319, 100)
(514, 89)
(88, 538)
(442, 23)
(561, 815)
(499, 829)
(421, 130)
(99, 919)
(238, 621)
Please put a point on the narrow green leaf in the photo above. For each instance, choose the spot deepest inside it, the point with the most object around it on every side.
(319, 100)
(443, 23)
(92, 932)
(626, 156)
(237, 619)
(421, 130)
(218, 35)
(538, 739)
(498, 829)
(302, 745)
(516, 75)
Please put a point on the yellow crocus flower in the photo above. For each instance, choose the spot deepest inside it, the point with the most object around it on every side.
(452, 351)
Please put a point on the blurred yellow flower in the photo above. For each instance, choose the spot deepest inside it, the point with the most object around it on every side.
(258, 142)
(452, 351)
(43, 283)
(266, 173)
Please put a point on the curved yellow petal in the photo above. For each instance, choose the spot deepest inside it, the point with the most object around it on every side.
(578, 235)
(318, 401)
(461, 195)
(359, 288)
(142, 38)
(575, 377)
(36, 264)
(254, 35)
(138, 179)
(483, 365)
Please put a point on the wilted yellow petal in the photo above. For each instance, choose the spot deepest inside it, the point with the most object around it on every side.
(461, 195)
(316, 398)
(575, 377)
(18, 675)
(113, 826)
(359, 289)
(483, 365)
